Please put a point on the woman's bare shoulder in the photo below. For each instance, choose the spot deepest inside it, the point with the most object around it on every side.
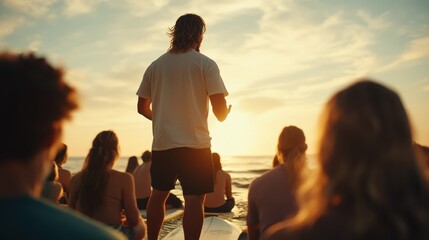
(121, 176)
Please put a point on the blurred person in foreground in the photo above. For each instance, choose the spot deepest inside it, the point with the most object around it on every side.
(221, 199)
(369, 183)
(35, 101)
(105, 194)
(174, 94)
(271, 197)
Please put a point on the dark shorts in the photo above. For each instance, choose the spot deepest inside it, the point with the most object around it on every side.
(192, 167)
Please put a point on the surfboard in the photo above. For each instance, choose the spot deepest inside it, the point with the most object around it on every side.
(224, 215)
(170, 214)
(213, 228)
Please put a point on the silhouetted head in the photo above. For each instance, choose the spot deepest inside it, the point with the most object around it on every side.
(291, 144)
(146, 156)
(291, 149)
(217, 165)
(61, 157)
(366, 139)
(132, 164)
(34, 101)
(187, 33)
(104, 151)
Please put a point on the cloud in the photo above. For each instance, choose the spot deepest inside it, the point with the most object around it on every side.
(374, 22)
(292, 43)
(33, 7)
(259, 104)
(9, 25)
(78, 7)
(143, 8)
(417, 49)
(34, 45)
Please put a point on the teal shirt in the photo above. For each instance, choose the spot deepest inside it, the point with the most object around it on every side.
(25, 217)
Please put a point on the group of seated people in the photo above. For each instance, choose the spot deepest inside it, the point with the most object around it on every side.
(370, 181)
(219, 201)
(114, 197)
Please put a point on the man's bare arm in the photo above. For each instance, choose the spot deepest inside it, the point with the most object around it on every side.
(143, 107)
(220, 109)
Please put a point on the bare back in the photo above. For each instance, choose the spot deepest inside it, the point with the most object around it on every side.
(143, 180)
(222, 189)
(119, 195)
(64, 177)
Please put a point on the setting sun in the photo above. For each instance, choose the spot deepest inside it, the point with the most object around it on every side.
(234, 136)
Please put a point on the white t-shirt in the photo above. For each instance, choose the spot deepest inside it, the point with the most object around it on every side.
(179, 86)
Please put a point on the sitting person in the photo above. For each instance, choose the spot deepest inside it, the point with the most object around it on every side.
(105, 194)
(369, 183)
(52, 189)
(215, 201)
(35, 102)
(271, 197)
(143, 183)
(64, 175)
(132, 164)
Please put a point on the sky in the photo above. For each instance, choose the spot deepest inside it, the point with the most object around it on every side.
(280, 60)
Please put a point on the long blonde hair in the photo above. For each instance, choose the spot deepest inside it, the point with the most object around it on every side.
(95, 171)
(367, 163)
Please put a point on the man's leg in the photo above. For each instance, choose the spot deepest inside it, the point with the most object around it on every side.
(193, 216)
(155, 213)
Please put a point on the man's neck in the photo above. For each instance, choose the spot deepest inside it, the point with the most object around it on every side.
(17, 179)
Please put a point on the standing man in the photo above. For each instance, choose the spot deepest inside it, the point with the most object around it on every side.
(179, 85)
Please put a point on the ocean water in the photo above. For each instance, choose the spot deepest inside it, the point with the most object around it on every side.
(243, 170)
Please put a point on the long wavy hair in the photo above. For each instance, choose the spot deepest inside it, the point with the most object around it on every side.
(217, 165)
(132, 164)
(291, 150)
(367, 164)
(186, 32)
(95, 171)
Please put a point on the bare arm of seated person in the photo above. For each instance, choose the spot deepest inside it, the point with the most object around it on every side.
(228, 188)
(132, 213)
